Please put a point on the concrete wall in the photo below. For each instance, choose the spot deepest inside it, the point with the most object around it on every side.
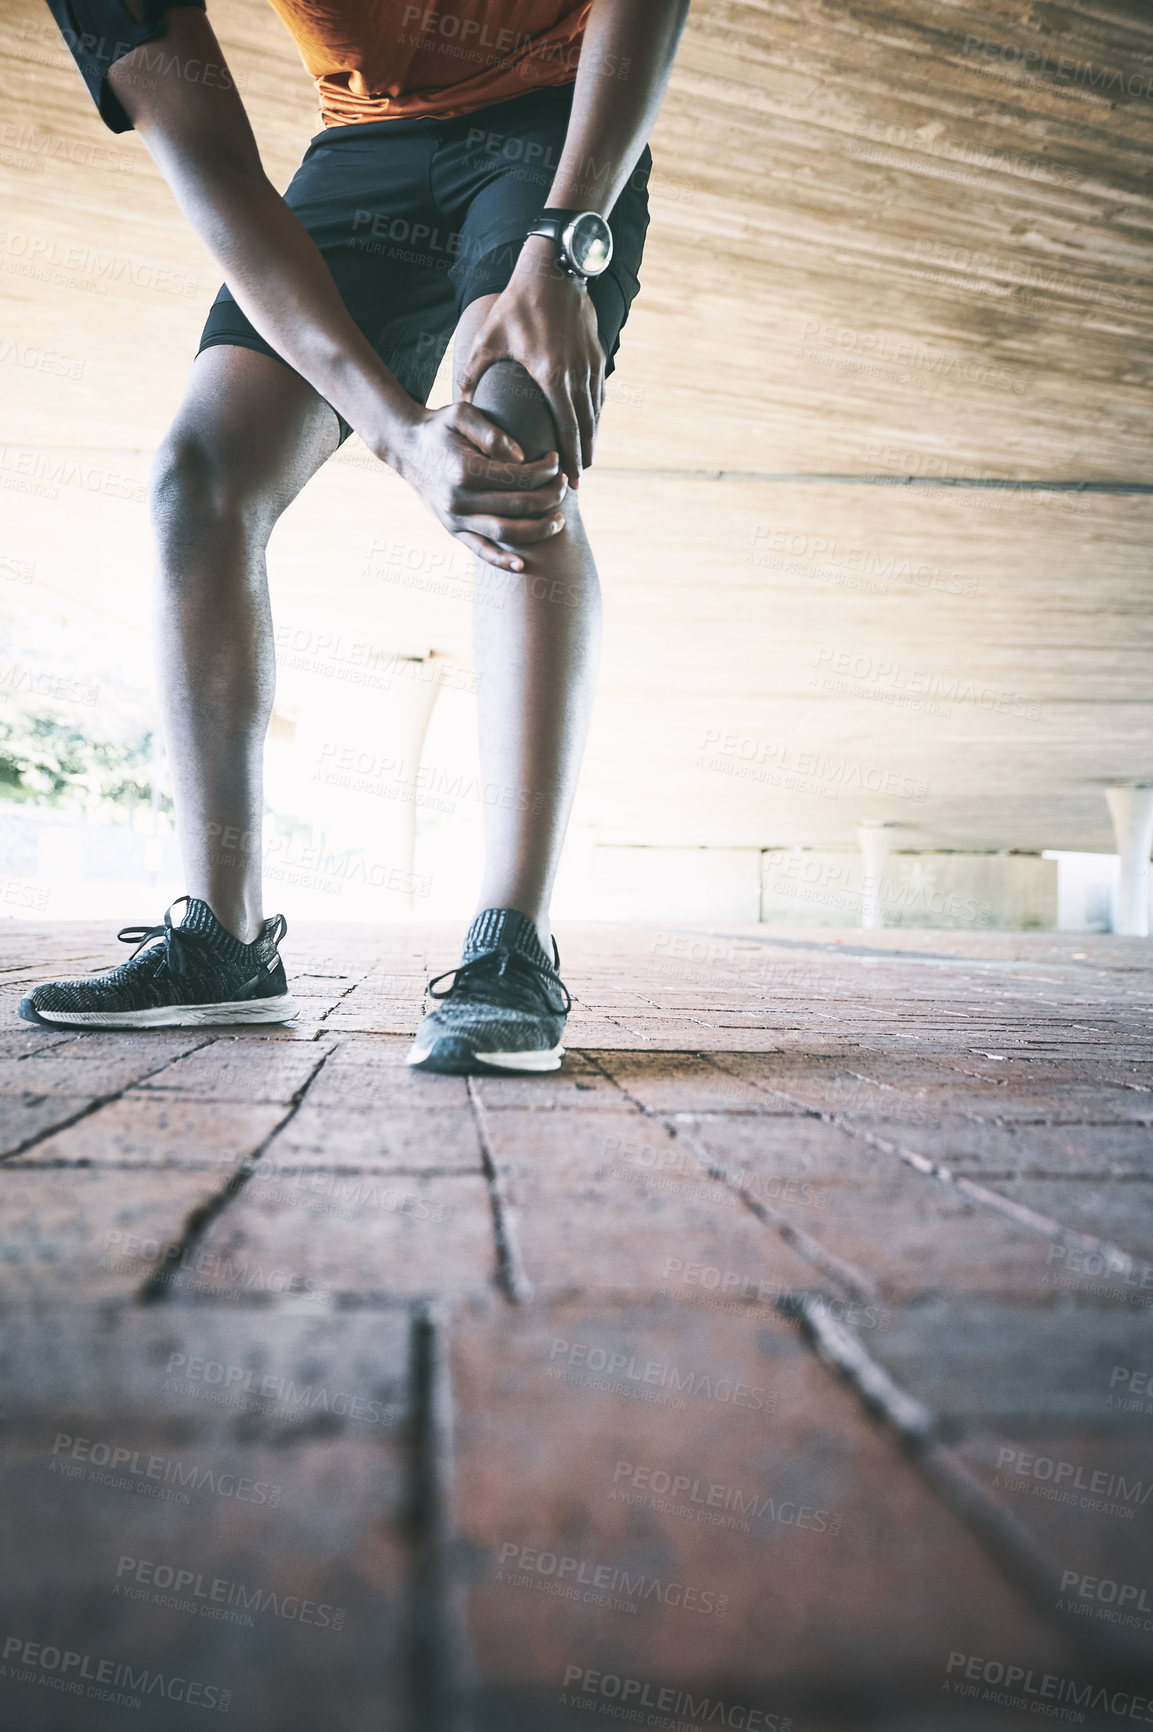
(998, 892)
(58, 865)
(818, 887)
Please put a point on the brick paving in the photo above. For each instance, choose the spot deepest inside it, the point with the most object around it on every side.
(786, 1358)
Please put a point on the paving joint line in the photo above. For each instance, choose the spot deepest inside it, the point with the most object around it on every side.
(441, 1667)
(1118, 1261)
(1004, 1537)
(32, 972)
(337, 1001)
(94, 1106)
(86, 1164)
(855, 1282)
(512, 1276)
(328, 1302)
(157, 1287)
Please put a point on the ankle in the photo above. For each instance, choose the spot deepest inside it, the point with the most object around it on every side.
(539, 918)
(246, 927)
(243, 921)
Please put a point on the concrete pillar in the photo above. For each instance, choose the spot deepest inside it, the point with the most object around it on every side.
(875, 841)
(418, 704)
(383, 732)
(154, 842)
(1131, 810)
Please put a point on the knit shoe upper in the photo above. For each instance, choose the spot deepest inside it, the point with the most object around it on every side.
(505, 1006)
(177, 976)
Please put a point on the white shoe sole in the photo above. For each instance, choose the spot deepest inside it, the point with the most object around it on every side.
(281, 1009)
(548, 1059)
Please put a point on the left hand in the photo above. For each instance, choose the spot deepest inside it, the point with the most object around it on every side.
(545, 319)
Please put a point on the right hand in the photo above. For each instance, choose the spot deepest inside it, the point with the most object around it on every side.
(474, 478)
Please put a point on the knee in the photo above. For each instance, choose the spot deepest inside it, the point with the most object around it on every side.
(195, 479)
(510, 396)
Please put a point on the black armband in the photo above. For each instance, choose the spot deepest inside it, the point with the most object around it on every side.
(101, 32)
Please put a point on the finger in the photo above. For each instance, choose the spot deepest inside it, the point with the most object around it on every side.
(585, 405)
(568, 430)
(485, 434)
(501, 557)
(483, 474)
(515, 531)
(477, 365)
(543, 503)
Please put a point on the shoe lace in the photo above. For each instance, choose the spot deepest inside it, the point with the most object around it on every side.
(174, 949)
(507, 965)
(178, 945)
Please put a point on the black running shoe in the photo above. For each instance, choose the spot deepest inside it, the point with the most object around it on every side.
(182, 976)
(505, 1008)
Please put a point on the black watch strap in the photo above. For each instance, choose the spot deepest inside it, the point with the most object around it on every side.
(557, 218)
(551, 225)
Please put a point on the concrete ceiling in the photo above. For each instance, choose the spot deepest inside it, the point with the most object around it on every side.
(890, 241)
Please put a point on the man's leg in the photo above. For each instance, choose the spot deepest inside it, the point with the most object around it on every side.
(537, 644)
(246, 439)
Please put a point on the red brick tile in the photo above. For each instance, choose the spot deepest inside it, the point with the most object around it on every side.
(580, 1084)
(772, 1156)
(679, 1033)
(89, 1235)
(875, 1572)
(143, 1130)
(594, 1214)
(380, 1236)
(981, 1148)
(352, 1017)
(284, 1496)
(22, 1040)
(159, 1046)
(397, 1136)
(185, 1373)
(1122, 1213)
(25, 1118)
(65, 1072)
(1085, 1498)
(917, 1236)
(989, 1365)
(375, 1052)
(368, 1082)
(683, 1082)
(242, 1070)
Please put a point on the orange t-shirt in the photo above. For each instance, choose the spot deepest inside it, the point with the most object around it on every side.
(397, 59)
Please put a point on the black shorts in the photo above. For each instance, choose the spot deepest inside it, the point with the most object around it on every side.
(417, 218)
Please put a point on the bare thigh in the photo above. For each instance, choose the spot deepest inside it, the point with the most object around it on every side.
(467, 331)
(249, 432)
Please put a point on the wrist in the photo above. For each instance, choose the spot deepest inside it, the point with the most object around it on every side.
(388, 422)
(538, 259)
(375, 404)
(392, 435)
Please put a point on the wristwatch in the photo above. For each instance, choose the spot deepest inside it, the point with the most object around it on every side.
(583, 240)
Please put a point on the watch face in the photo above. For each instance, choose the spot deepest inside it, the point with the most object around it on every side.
(590, 244)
